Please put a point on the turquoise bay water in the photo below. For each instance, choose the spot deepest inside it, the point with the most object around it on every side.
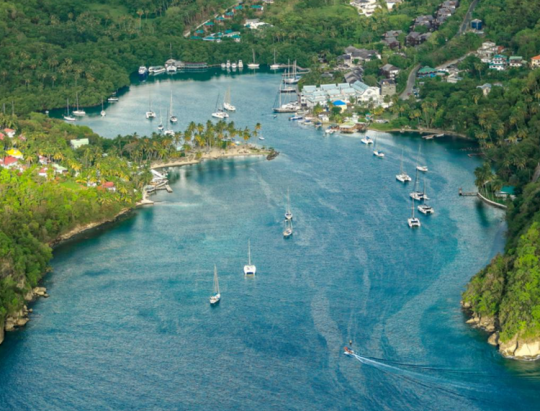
(129, 326)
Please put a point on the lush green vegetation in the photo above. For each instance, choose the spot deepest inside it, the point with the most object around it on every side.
(37, 209)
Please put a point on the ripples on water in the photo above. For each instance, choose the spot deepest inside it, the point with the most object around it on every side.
(128, 324)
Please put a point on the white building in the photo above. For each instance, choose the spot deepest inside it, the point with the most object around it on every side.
(365, 7)
(357, 92)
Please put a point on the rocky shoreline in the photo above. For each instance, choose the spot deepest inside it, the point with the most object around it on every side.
(516, 348)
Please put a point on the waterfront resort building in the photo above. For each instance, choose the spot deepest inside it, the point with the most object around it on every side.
(357, 92)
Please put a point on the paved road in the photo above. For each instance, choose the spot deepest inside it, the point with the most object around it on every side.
(410, 83)
(468, 17)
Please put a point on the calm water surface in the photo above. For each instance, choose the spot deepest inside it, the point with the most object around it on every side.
(128, 324)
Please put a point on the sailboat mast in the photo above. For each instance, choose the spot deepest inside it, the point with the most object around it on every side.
(288, 202)
(401, 163)
(249, 253)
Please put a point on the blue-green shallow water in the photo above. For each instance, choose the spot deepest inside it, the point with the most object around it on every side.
(128, 324)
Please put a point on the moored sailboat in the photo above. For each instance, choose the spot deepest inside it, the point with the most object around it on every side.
(79, 112)
(423, 169)
(68, 116)
(227, 101)
(219, 113)
(249, 269)
(103, 112)
(173, 119)
(413, 222)
(288, 213)
(150, 114)
(274, 66)
(288, 231)
(402, 176)
(253, 65)
(424, 208)
(376, 152)
(216, 297)
(418, 195)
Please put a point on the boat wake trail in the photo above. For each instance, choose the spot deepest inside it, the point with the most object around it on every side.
(427, 381)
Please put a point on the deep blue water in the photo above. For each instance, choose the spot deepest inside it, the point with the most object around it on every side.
(128, 324)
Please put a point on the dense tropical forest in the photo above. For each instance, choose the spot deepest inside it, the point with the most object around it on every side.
(53, 49)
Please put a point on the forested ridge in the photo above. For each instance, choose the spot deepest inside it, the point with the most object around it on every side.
(52, 49)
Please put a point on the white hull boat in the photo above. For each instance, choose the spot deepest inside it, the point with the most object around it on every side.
(366, 140)
(249, 269)
(216, 297)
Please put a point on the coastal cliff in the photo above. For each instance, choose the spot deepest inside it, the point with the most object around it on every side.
(504, 298)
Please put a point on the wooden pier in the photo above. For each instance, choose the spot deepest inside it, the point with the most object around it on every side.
(467, 193)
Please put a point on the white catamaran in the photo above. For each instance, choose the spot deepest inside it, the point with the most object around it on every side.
(150, 114)
(423, 169)
(216, 297)
(402, 176)
(249, 269)
(227, 101)
(413, 222)
(418, 195)
(424, 208)
(79, 112)
(219, 113)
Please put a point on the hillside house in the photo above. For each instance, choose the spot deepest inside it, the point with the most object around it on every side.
(389, 71)
(499, 62)
(535, 62)
(9, 132)
(426, 71)
(9, 162)
(515, 61)
(365, 7)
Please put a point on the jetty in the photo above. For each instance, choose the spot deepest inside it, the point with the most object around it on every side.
(467, 193)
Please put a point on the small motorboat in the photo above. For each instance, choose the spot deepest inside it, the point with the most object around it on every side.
(296, 117)
(348, 351)
(423, 169)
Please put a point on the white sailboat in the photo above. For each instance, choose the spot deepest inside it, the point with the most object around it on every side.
(402, 176)
(376, 152)
(103, 112)
(424, 208)
(240, 64)
(249, 269)
(219, 113)
(275, 66)
(227, 101)
(253, 65)
(413, 222)
(423, 169)
(79, 112)
(292, 77)
(280, 107)
(150, 114)
(216, 297)
(113, 98)
(288, 213)
(160, 127)
(68, 116)
(288, 231)
(173, 119)
(417, 195)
